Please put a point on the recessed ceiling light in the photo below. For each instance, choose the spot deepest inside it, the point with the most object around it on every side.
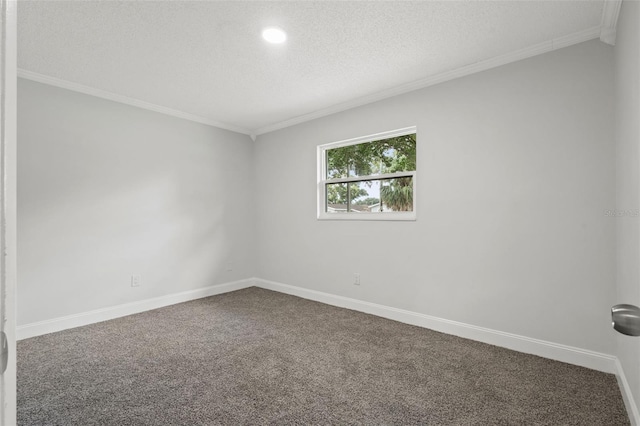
(274, 35)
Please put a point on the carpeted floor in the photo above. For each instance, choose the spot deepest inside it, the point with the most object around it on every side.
(260, 357)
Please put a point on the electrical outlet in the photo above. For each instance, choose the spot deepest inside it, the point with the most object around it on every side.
(356, 279)
(136, 280)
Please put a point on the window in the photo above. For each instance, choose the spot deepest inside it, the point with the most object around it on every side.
(368, 178)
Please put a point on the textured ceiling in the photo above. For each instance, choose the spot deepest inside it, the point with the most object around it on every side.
(207, 59)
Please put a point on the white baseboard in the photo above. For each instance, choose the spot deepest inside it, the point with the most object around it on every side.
(582, 357)
(104, 314)
(627, 395)
(569, 354)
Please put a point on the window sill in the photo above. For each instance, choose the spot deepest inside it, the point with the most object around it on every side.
(407, 216)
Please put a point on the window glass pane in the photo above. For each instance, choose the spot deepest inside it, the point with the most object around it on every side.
(337, 198)
(338, 162)
(397, 194)
(364, 195)
(397, 154)
(371, 196)
(393, 155)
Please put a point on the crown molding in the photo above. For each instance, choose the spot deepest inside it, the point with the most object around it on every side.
(606, 32)
(544, 47)
(52, 81)
(610, 13)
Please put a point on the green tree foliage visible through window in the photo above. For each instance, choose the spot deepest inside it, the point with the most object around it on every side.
(370, 158)
(392, 155)
(337, 194)
(398, 194)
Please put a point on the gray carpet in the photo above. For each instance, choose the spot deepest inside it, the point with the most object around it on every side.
(259, 357)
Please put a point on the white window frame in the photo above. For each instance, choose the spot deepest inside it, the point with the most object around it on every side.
(323, 181)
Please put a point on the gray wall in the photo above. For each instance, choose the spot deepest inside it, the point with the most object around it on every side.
(627, 137)
(106, 190)
(515, 172)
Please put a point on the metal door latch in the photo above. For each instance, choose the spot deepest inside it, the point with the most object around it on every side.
(626, 319)
(4, 352)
